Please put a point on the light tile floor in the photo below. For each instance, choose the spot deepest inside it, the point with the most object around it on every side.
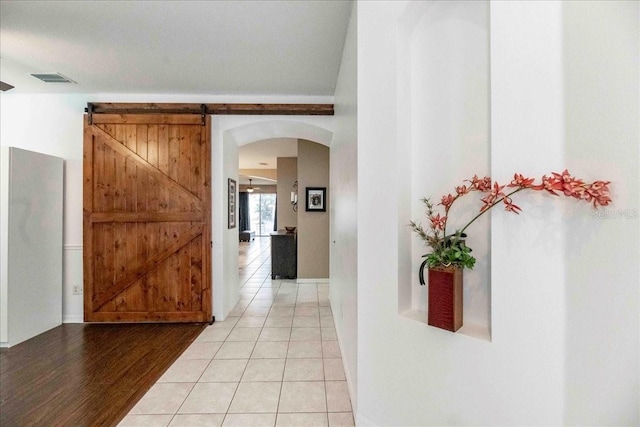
(274, 361)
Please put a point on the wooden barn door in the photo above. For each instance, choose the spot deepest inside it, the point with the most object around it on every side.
(147, 210)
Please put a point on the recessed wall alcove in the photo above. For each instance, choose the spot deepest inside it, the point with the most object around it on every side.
(444, 138)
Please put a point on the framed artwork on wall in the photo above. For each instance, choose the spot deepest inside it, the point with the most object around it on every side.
(231, 187)
(316, 199)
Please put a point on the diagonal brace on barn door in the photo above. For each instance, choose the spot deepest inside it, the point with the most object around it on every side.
(118, 147)
(131, 277)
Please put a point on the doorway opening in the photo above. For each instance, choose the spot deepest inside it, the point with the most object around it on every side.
(264, 172)
(262, 213)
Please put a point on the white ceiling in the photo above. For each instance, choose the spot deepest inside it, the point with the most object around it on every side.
(291, 47)
(239, 47)
(266, 151)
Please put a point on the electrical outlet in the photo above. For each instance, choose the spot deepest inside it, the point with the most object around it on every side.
(77, 290)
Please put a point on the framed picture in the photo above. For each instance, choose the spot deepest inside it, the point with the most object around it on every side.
(231, 187)
(316, 199)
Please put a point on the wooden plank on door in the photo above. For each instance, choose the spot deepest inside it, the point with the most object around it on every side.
(147, 210)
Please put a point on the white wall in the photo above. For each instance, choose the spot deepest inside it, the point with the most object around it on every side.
(343, 246)
(527, 271)
(30, 244)
(550, 308)
(602, 140)
(52, 124)
(224, 253)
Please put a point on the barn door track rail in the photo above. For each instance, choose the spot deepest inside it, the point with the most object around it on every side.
(208, 109)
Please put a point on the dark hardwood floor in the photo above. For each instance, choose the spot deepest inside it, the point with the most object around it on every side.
(86, 374)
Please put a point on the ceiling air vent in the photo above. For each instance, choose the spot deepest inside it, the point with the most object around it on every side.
(53, 78)
(5, 86)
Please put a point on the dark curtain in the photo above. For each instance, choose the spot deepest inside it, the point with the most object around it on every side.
(275, 219)
(243, 212)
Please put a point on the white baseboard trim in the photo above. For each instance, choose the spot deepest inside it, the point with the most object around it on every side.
(324, 280)
(73, 319)
(350, 385)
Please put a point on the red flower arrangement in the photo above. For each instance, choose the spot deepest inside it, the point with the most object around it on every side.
(449, 249)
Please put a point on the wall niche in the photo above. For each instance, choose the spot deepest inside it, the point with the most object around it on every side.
(444, 133)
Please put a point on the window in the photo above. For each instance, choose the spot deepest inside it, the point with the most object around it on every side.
(262, 208)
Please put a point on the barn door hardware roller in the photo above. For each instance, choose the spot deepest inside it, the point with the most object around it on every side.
(203, 113)
(89, 110)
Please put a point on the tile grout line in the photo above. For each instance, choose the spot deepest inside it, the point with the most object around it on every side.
(286, 357)
(252, 350)
(324, 375)
(295, 304)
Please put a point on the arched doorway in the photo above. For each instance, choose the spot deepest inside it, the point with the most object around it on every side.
(228, 134)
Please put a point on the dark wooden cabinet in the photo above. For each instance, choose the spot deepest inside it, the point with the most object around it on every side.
(284, 255)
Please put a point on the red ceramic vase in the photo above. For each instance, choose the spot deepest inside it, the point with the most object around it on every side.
(445, 298)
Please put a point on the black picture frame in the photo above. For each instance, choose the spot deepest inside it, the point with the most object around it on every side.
(231, 189)
(316, 199)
